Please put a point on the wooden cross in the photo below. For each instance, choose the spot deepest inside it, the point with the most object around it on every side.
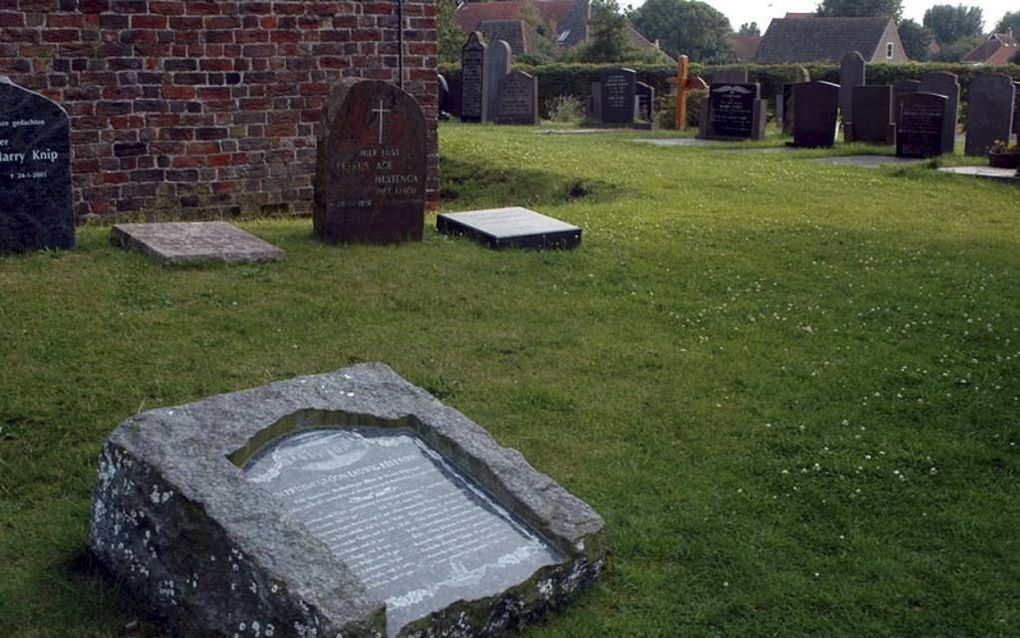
(380, 111)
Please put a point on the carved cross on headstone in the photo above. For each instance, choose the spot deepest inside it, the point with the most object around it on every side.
(380, 111)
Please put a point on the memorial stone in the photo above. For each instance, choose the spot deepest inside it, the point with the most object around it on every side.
(989, 112)
(729, 76)
(188, 242)
(511, 227)
(817, 104)
(851, 74)
(920, 131)
(899, 89)
(1016, 110)
(944, 84)
(370, 165)
(617, 87)
(872, 109)
(497, 66)
(36, 211)
(645, 95)
(349, 503)
(733, 111)
(518, 99)
(473, 57)
(595, 102)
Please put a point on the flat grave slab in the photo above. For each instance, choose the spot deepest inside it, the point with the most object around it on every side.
(681, 141)
(513, 227)
(576, 131)
(865, 161)
(186, 242)
(350, 503)
(1004, 175)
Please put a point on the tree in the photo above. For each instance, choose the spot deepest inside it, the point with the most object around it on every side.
(861, 8)
(749, 28)
(607, 40)
(954, 51)
(689, 27)
(916, 39)
(1010, 21)
(950, 24)
(451, 36)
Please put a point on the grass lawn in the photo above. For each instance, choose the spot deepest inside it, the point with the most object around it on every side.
(791, 389)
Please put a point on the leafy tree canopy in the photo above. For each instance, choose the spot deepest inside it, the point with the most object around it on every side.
(749, 28)
(686, 27)
(1009, 21)
(916, 39)
(860, 8)
(607, 38)
(451, 37)
(950, 24)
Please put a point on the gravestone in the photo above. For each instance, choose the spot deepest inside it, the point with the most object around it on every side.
(733, 111)
(920, 131)
(944, 84)
(899, 89)
(518, 99)
(784, 100)
(989, 112)
(188, 242)
(617, 88)
(594, 106)
(851, 74)
(351, 503)
(872, 108)
(512, 227)
(497, 66)
(645, 95)
(370, 165)
(817, 104)
(36, 211)
(1016, 110)
(453, 96)
(729, 76)
(473, 57)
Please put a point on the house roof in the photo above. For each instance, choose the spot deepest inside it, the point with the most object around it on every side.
(790, 40)
(521, 37)
(471, 13)
(999, 48)
(745, 46)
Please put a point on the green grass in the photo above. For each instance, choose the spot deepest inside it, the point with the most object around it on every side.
(791, 389)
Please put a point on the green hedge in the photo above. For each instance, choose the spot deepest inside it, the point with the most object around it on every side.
(576, 79)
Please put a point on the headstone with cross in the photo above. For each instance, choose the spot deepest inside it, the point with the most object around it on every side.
(370, 165)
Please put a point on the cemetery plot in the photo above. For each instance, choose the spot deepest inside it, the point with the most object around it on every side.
(184, 242)
(513, 227)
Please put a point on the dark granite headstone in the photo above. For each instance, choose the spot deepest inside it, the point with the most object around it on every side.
(872, 109)
(645, 95)
(595, 102)
(1016, 110)
(497, 66)
(733, 111)
(919, 133)
(512, 227)
(729, 76)
(345, 504)
(618, 96)
(945, 84)
(989, 112)
(814, 123)
(188, 242)
(370, 165)
(473, 57)
(899, 89)
(35, 172)
(454, 96)
(518, 99)
(851, 74)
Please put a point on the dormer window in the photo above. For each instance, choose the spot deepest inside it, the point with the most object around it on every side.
(889, 50)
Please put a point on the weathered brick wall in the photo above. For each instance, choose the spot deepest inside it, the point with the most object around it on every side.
(207, 108)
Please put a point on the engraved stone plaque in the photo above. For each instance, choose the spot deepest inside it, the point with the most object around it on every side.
(920, 129)
(473, 57)
(418, 533)
(511, 227)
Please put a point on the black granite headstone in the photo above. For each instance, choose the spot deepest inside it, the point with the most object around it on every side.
(872, 109)
(473, 57)
(35, 172)
(899, 89)
(734, 111)
(989, 112)
(618, 96)
(645, 101)
(941, 83)
(815, 116)
(919, 132)
(1016, 110)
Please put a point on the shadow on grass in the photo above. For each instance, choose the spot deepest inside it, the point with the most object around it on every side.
(477, 185)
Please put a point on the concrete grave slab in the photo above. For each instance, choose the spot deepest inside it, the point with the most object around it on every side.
(865, 161)
(350, 503)
(513, 227)
(681, 141)
(1004, 175)
(186, 242)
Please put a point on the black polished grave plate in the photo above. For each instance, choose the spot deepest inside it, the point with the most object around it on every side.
(512, 227)
(413, 528)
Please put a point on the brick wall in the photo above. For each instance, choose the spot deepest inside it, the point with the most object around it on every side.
(207, 108)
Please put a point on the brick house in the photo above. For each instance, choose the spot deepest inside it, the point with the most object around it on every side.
(795, 40)
(999, 48)
(208, 108)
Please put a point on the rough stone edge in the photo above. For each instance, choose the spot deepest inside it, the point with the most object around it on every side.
(120, 237)
(271, 550)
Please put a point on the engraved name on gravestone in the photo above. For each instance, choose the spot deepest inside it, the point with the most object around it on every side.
(919, 132)
(473, 81)
(731, 111)
(417, 532)
(370, 165)
(518, 99)
(35, 172)
(617, 86)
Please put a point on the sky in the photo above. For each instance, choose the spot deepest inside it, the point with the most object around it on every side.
(762, 11)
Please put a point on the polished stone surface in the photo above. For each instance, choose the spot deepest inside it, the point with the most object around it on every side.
(512, 227)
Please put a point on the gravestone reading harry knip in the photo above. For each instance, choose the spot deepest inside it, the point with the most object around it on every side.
(617, 87)
(518, 99)
(920, 129)
(851, 74)
(872, 108)
(473, 57)
(36, 211)
(370, 165)
(497, 66)
(945, 84)
(733, 111)
(349, 503)
(989, 112)
(814, 122)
